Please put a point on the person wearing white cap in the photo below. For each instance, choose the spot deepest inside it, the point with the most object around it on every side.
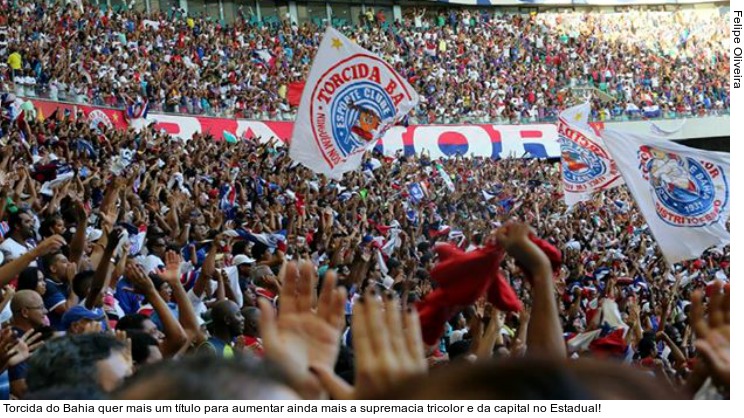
(239, 275)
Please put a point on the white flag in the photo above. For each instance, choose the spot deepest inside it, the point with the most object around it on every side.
(446, 178)
(682, 192)
(586, 166)
(351, 98)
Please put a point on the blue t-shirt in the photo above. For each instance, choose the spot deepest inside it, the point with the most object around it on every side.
(201, 253)
(19, 371)
(4, 386)
(222, 349)
(55, 295)
(129, 302)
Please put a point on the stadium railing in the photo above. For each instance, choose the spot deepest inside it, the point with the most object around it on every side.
(38, 92)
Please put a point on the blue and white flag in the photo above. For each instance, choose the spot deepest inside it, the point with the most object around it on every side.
(412, 216)
(270, 240)
(652, 111)
(227, 201)
(416, 192)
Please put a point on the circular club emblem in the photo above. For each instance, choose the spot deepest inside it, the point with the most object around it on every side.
(359, 110)
(687, 192)
(585, 165)
(580, 164)
(353, 104)
(98, 120)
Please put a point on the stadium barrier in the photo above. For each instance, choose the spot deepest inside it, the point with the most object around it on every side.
(475, 140)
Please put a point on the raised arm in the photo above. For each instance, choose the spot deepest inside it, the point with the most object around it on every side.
(186, 314)
(77, 245)
(544, 334)
(103, 271)
(175, 336)
(11, 270)
(207, 270)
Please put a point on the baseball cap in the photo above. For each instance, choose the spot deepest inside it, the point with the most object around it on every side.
(79, 312)
(242, 259)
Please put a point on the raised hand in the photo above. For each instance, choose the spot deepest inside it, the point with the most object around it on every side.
(122, 337)
(138, 278)
(80, 213)
(515, 238)
(7, 293)
(7, 344)
(108, 219)
(714, 333)
(301, 336)
(14, 351)
(172, 267)
(545, 333)
(92, 328)
(491, 337)
(388, 348)
(49, 245)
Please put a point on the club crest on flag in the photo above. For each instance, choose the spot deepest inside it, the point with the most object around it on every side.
(353, 104)
(585, 164)
(98, 120)
(687, 192)
(350, 99)
(580, 165)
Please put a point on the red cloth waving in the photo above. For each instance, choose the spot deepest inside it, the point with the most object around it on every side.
(463, 277)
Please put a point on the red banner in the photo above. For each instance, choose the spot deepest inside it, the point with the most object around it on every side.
(494, 141)
(95, 116)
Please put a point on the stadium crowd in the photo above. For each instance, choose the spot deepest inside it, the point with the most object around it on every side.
(468, 65)
(134, 265)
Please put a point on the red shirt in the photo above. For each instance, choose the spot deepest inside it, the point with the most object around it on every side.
(253, 344)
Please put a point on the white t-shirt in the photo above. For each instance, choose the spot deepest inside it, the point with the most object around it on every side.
(197, 302)
(457, 335)
(152, 263)
(12, 249)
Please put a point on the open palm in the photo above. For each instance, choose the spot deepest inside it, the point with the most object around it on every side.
(303, 337)
(713, 334)
(14, 351)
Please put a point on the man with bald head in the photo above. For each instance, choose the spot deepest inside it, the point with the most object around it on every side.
(227, 325)
(29, 313)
